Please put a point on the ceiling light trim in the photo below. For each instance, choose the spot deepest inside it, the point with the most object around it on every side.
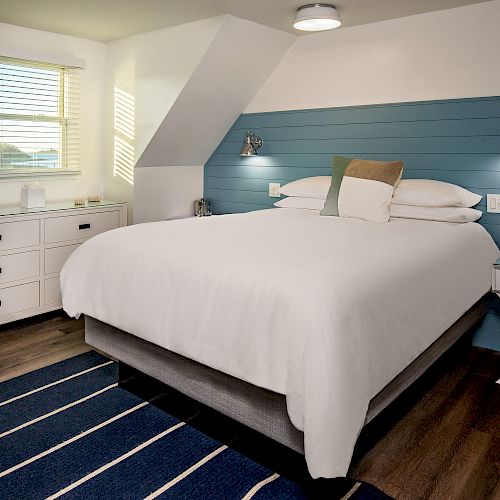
(316, 17)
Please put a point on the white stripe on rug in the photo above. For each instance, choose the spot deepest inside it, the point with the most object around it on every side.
(3, 403)
(107, 466)
(59, 410)
(351, 492)
(260, 485)
(186, 473)
(72, 440)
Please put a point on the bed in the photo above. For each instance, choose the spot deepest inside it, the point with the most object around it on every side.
(303, 327)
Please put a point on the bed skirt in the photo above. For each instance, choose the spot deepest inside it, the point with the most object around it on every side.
(262, 410)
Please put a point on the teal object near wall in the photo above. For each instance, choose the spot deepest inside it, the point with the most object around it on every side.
(454, 140)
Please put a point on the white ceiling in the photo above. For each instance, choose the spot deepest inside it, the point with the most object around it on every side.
(106, 20)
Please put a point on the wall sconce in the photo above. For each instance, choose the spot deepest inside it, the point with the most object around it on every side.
(252, 144)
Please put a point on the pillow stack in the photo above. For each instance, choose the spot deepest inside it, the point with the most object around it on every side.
(426, 199)
(309, 193)
(362, 189)
(372, 190)
(367, 188)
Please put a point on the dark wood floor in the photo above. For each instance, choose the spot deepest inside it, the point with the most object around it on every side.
(36, 342)
(440, 440)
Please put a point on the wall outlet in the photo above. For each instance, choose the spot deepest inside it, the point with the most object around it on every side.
(492, 203)
(275, 188)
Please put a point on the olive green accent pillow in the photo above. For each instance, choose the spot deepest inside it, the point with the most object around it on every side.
(332, 199)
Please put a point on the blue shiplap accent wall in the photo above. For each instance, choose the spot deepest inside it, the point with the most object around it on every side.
(455, 140)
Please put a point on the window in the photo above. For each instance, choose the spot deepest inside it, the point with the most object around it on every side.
(39, 118)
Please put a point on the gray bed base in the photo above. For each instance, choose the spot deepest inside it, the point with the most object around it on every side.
(259, 409)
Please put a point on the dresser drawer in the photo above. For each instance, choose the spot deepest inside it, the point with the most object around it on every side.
(76, 227)
(19, 298)
(19, 266)
(19, 234)
(52, 291)
(56, 257)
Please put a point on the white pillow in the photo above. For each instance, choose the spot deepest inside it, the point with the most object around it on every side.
(298, 202)
(442, 214)
(429, 193)
(367, 189)
(309, 187)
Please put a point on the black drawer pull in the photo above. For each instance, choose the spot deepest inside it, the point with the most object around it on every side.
(84, 226)
(0, 270)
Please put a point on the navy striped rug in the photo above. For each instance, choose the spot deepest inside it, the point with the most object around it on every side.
(69, 431)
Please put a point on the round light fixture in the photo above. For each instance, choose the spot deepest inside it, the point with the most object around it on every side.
(316, 17)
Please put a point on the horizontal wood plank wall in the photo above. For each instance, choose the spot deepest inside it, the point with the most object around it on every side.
(456, 141)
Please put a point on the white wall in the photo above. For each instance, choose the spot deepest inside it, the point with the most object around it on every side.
(188, 85)
(166, 192)
(234, 67)
(148, 71)
(447, 54)
(52, 46)
(154, 67)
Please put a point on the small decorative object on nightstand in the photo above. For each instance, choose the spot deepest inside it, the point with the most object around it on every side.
(202, 208)
(496, 277)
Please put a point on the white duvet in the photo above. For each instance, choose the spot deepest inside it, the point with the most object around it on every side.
(325, 310)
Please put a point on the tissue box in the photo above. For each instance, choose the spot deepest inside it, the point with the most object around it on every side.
(32, 197)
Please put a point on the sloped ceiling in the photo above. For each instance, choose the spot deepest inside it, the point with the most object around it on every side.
(235, 65)
(147, 73)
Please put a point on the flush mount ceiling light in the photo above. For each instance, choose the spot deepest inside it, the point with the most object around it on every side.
(316, 17)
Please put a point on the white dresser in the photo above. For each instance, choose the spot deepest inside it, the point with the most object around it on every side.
(35, 243)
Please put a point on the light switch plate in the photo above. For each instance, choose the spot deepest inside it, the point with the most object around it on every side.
(493, 203)
(274, 190)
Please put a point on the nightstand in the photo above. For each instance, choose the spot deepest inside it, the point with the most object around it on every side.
(496, 277)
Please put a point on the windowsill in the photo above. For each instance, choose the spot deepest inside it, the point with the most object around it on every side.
(40, 174)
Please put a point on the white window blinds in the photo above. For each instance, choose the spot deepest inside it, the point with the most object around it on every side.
(39, 117)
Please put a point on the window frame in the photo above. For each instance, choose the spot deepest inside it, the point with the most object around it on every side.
(61, 119)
